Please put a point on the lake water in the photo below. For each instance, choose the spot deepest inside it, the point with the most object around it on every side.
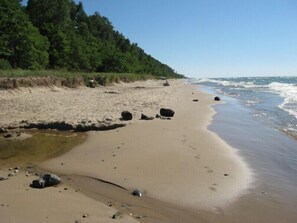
(259, 118)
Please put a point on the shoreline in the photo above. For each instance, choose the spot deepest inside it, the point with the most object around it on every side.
(164, 159)
(271, 153)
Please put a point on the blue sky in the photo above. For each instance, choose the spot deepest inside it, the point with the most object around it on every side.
(210, 38)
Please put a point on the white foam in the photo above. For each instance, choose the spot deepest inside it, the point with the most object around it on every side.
(241, 84)
(289, 93)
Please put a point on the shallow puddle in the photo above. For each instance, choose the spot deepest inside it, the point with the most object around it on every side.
(41, 146)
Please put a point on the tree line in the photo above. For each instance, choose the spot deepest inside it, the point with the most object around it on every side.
(58, 34)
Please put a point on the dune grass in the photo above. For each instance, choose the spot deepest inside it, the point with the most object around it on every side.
(70, 77)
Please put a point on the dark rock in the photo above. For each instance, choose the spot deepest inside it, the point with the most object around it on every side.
(166, 84)
(126, 115)
(166, 112)
(136, 193)
(216, 98)
(51, 179)
(40, 183)
(162, 118)
(7, 135)
(46, 180)
(3, 178)
(195, 100)
(145, 117)
(85, 216)
(3, 130)
(117, 215)
(92, 83)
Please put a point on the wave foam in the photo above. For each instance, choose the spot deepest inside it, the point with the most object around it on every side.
(289, 93)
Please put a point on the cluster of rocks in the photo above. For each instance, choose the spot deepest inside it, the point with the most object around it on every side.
(46, 180)
(165, 113)
(13, 172)
(12, 134)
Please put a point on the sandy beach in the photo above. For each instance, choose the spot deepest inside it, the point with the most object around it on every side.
(182, 169)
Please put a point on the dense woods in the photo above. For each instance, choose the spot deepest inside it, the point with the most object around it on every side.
(58, 34)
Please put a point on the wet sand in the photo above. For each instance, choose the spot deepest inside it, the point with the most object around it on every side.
(186, 172)
(272, 154)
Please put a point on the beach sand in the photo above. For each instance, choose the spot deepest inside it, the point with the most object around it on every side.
(182, 169)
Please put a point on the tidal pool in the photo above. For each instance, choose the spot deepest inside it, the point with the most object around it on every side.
(41, 146)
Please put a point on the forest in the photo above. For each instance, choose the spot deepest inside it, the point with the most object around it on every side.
(58, 34)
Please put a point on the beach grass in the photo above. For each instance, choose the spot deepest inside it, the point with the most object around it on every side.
(73, 78)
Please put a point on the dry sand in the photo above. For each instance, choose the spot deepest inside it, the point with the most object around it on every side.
(181, 167)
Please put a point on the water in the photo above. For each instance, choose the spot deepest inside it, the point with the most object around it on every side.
(259, 118)
(272, 100)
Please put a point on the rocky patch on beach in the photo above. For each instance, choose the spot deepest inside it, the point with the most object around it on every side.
(15, 135)
(82, 126)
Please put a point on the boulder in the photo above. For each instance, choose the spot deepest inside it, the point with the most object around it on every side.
(40, 183)
(145, 117)
(51, 179)
(166, 84)
(46, 180)
(126, 115)
(136, 193)
(216, 98)
(195, 100)
(166, 112)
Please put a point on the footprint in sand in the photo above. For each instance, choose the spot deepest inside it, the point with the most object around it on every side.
(213, 189)
(209, 170)
(184, 141)
(197, 157)
(192, 147)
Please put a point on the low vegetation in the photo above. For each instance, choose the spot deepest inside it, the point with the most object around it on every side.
(10, 79)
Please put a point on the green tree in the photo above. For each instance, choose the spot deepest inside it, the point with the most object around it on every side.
(52, 17)
(20, 42)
